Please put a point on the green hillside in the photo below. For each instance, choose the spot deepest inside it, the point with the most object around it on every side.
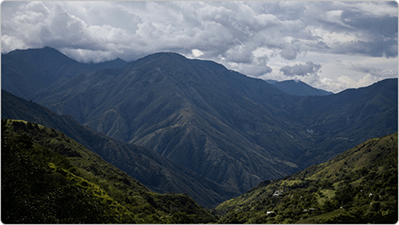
(47, 177)
(358, 186)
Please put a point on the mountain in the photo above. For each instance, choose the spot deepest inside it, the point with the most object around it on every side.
(225, 126)
(342, 120)
(358, 186)
(24, 72)
(196, 113)
(47, 177)
(299, 88)
(151, 169)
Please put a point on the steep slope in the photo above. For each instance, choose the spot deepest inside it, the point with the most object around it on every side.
(49, 178)
(299, 88)
(145, 165)
(358, 186)
(196, 113)
(24, 72)
(227, 127)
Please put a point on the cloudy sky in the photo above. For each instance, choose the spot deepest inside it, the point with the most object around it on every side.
(330, 45)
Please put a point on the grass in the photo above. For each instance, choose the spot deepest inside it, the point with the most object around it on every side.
(323, 216)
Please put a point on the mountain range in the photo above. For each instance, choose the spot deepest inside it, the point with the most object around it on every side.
(228, 128)
(298, 88)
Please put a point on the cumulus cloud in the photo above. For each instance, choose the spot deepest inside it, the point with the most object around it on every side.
(289, 52)
(301, 69)
(196, 53)
(228, 32)
(256, 66)
(348, 82)
(253, 70)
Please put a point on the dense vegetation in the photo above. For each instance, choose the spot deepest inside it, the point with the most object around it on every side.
(49, 178)
(358, 186)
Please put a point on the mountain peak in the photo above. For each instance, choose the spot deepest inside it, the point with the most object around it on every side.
(37, 52)
(165, 57)
(48, 48)
(40, 68)
(174, 54)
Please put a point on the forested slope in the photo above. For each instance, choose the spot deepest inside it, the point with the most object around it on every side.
(358, 186)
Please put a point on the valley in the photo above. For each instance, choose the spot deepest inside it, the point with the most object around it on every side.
(43, 167)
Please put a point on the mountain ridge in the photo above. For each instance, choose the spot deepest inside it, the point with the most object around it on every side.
(299, 88)
(25, 72)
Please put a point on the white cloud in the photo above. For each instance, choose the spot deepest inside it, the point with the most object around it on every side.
(378, 9)
(196, 53)
(301, 69)
(334, 16)
(333, 37)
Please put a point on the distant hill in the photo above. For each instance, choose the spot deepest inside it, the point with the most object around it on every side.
(151, 169)
(47, 177)
(24, 72)
(298, 88)
(358, 186)
(374, 108)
